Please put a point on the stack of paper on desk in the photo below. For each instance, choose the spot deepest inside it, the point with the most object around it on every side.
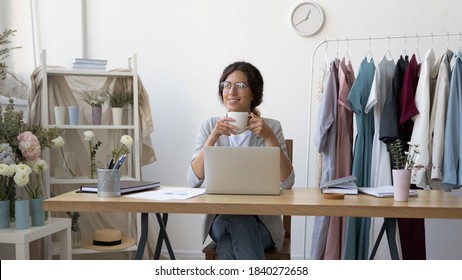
(345, 185)
(383, 191)
(169, 193)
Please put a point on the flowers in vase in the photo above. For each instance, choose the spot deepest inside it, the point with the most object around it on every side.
(16, 174)
(30, 148)
(29, 145)
(59, 142)
(6, 171)
(6, 180)
(95, 97)
(91, 137)
(20, 144)
(38, 166)
(402, 159)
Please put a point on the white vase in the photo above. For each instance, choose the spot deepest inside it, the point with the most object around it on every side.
(401, 184)
(60, 115)
(117, 116)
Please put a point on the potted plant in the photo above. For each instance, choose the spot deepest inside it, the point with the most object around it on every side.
(96, 98)
(118, 99)
(402, 163)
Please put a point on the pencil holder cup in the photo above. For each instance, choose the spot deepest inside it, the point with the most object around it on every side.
(108, 182)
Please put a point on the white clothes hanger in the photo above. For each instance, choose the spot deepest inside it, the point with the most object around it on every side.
(417, 48)
(405, 41)
(347, 55)
(369, 53)
(326, 57)
(457, 54)
(388, 51)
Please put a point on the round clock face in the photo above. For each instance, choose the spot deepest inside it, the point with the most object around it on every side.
(307, 19)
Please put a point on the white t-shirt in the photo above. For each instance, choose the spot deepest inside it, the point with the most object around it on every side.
(240, 140)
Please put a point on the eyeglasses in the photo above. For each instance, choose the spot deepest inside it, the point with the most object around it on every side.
(227, 86)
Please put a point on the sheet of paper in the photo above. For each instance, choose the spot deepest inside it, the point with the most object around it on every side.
(169, 193)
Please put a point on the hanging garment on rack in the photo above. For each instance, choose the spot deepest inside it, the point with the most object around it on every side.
(442, 73)
(407, 108)
(389, 129)
(343, 158)
(421, 131)
(452, 159)
(380, 159)
(411, 231)
(357, 229)
(325, 142)
(327, 123)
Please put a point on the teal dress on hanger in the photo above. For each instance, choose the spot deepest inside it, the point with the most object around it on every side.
(357, 229)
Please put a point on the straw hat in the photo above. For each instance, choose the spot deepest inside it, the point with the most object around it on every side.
(108, 240)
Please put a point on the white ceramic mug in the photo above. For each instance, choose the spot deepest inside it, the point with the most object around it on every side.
(241, 120)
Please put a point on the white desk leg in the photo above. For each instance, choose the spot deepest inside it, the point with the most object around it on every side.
(65, 244)
(22, 251)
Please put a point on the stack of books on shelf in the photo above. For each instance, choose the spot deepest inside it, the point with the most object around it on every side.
(88, 64)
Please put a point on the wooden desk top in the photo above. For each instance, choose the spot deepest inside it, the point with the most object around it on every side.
(298, 201)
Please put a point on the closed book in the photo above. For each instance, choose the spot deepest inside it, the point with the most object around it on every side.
(345, 185)
(87, 66)
(89, 61)
(125, 187)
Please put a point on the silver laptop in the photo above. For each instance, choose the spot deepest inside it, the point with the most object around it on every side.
(242, 170)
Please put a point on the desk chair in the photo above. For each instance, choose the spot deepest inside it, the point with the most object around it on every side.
(279, 253)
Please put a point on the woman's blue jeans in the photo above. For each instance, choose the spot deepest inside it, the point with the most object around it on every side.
(240, 237)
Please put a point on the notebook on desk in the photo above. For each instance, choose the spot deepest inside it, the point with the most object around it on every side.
(242, 170)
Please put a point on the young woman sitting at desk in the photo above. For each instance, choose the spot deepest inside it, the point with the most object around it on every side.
(241, 236)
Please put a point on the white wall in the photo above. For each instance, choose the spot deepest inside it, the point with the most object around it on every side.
(184, 45)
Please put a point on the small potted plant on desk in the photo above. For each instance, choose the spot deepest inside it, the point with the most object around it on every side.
(402, 163)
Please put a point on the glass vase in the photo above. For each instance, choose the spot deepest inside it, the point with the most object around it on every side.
(92, 171)
(76, 234)
(65, 166)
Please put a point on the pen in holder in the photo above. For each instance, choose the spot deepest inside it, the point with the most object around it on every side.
(108, 182)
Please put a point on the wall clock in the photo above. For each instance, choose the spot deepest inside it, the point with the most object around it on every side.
(307, 19)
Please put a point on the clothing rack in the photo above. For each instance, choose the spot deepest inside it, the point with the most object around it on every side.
(347, 40)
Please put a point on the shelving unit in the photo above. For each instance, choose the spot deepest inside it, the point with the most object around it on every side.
(133, 162)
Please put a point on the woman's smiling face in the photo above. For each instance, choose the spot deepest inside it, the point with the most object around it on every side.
(237, 99)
